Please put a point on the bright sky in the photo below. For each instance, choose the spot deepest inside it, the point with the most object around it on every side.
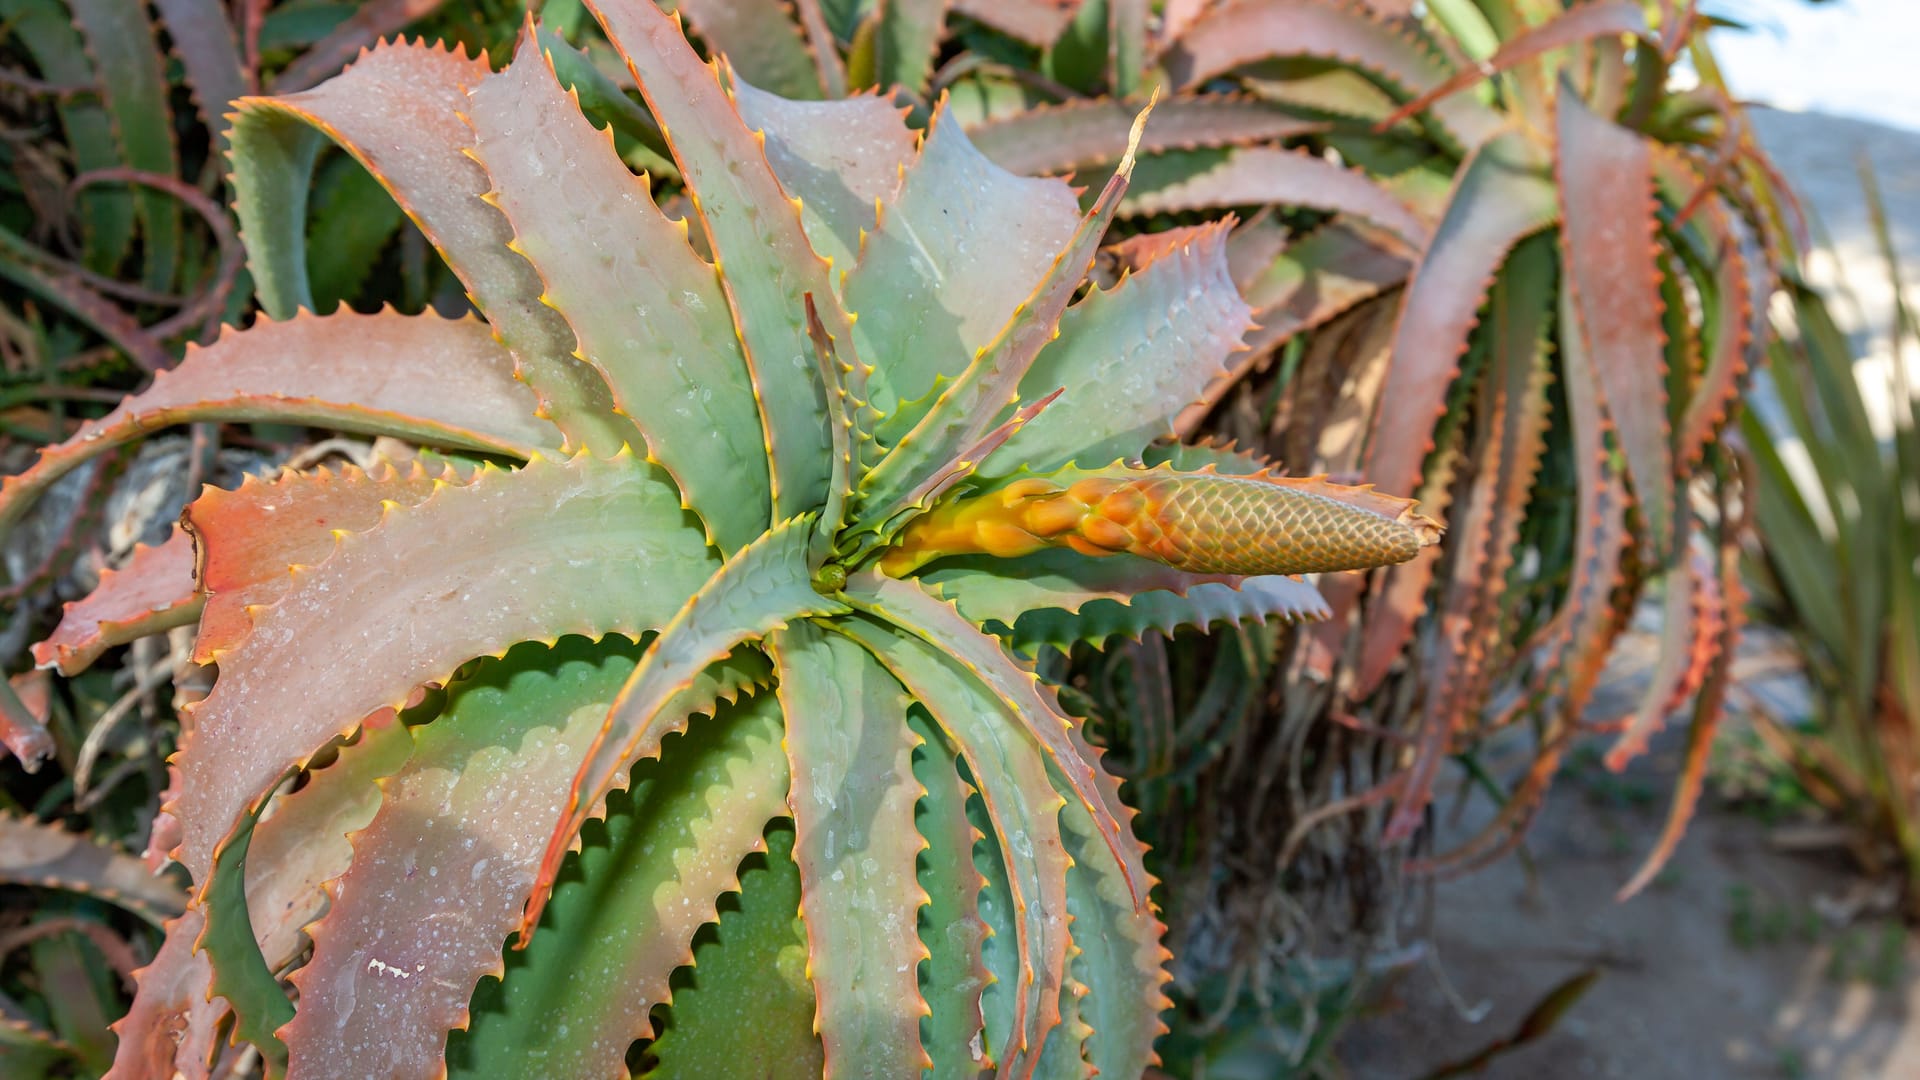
(1857, 58)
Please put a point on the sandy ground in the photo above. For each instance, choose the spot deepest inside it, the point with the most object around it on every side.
(1744, 959)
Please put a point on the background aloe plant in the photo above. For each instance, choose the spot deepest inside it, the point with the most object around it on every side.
(677, 588)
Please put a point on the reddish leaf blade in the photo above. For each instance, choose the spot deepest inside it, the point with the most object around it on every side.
(594, 547)
(1261, 174)
(1606, 187)
(383, 374)
(23, 728)
(172, 1029)
(1726, 596)
(1233, 35)
(1600, 18)
(1500, 198)
(152, 593)
(1083, 133)
(255, 533)
(50, 857)
(1036, 22)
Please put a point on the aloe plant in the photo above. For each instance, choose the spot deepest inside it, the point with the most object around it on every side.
(731, 511)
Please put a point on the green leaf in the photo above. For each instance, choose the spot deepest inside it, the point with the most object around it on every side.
(44, 28)
(905, 41)
(839, 158)
(240, 973)
(332, 371)
(439, 877)
(1028, 701)
(759, 37)
(1206, 605)
(1012, 778)
(626, 909)
(939, 448)
(128, 65)
(358, 220)
(926, 297)
(756, 236)
(950, 926)
(748, 1009)
(759, 590)
(1129, 358)
(1121, 961)
(852, 796)
(648, 314)
(589, 546)
(202, 36)
(398, 111)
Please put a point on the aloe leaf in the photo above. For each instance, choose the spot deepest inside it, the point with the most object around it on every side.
(1708, 407)
(50, 857)
(23, 733)
(1234, 35)
(1315, 278)
(240, 972)
(172, 1028)
(752, 964)
(926, 296)
(1603, 18)
(1254, 175)
(1024, 696)
(152, 593)
(839, 158)
(258, 530)
(439, 876)
(852, 797)
(758, 37)
(1000, 952)
(202, 35)
(1082, 133)
(397, 110)
(950, 926)
(353, 212)
(127, 62)
(593, 547)
(303, 843)
(335, 371)
(991, 589)
(760, 589)
(1036, 22)
(756, 234)
(1121, 961)
(44, 28)
(905, 41)
(907, 477)
(1012, 778)
(1606, 186)
(1202, 607)
(625, 914)
(1499, 199)
(33, 270)
(1130, 357)
(648, 313)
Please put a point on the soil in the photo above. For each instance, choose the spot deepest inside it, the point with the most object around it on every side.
(1762, 951)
